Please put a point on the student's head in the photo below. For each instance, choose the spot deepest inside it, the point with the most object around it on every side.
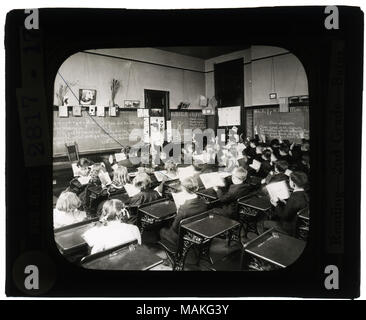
(142, 181)
(281, 166)
(244, 158)
(298, 179)
(266, 154)
(284, 149)
(113, 210)
(84, 162)
(305, 146)
(305, 159)
(68, 202)
(120, 175)
(259, 149)
(170, 166)
(189, 184)
(126, 150)
(83, 165)
(275, 143)
(198, 165)
(97, 167)
(253, 143)
(239, 175)
(95, 170)
(286, 142)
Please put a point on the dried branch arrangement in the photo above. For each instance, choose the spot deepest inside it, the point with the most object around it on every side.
(115, 86)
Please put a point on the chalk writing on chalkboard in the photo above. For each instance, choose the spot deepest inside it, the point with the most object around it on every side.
(90, 137)
(287, 125)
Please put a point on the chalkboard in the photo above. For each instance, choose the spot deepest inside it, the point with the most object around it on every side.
(89, 136)
(288, 125)
(186, 120)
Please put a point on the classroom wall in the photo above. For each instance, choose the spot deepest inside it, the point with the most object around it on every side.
(264, 74)
(91, 71)
(88, 71)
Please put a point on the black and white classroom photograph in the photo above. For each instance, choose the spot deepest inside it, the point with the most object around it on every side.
(181, 158)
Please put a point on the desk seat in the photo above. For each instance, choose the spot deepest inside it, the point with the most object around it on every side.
(129, 256)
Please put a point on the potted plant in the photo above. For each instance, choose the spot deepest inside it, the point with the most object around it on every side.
(61, 94)
(115, 86)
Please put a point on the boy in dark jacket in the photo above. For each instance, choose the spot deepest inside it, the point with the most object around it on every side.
(192, 206)
(286, 211)
(239, 188)
(280, 168)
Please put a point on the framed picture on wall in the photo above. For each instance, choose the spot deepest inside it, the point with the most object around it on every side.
(87, 97)
(131, 104)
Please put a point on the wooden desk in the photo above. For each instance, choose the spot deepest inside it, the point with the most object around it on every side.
(127, 257)
(210, 197)
(211, 226)
(273, 250)
(156, 212)
(251, 209)
(69, 238)
(172, 186)
(200, 233)
(96, 194)
(207, 194)
(255, 181)
(76, 187)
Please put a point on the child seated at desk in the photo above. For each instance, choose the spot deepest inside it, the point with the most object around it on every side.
(84, 166)
(286, 211)
(191, 207)
(126, 162)
(111, 230)
(81, 176)
(250, 151)
(239, 188)
(284, 153)
(304, 164)
(171, 174)
(278, 174)
(266, 166)
(96, 168)
(67, 210)
(120, 176)
(142, 181)
(275, 146)
(243, 162)
(171, 169)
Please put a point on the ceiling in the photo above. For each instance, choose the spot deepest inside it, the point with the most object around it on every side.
(204, 52)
